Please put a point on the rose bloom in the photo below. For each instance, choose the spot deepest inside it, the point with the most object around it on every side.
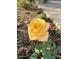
(38, 29)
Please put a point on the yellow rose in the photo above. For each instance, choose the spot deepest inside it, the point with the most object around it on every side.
(37, 29)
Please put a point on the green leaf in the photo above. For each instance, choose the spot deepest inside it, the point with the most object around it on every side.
(36, 50)
(50, 51)
(33, 1)
(41, 15)
(54, 51)
(44, 45)
(59, 49)
(47, 54)
(49, 42)
(33, 56)
(40, 46)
